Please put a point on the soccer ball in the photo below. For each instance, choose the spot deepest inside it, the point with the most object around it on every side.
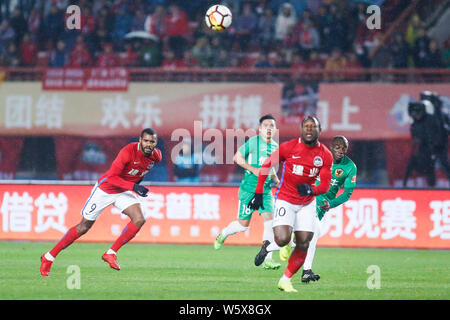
(218, 17)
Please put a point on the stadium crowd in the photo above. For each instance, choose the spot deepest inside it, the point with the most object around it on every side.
(327, 34)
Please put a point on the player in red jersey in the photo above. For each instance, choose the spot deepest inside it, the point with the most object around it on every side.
(115, 187)
(303, 159)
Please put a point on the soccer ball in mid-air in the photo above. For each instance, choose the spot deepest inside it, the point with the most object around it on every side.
(218, 17)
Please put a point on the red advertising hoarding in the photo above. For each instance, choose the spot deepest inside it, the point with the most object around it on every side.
(371, 218)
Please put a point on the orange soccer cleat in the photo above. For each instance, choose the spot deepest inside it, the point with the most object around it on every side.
(111, 259)
(45, 266)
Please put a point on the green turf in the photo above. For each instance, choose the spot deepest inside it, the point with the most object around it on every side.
(192, 272)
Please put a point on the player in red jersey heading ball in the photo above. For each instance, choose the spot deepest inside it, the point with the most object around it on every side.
(115, 187)
(303, 159)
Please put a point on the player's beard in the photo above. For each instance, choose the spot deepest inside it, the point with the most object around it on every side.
(146, 151)
(310, 141)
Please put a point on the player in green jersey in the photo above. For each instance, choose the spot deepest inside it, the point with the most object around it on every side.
(343, 174)
(250, 156)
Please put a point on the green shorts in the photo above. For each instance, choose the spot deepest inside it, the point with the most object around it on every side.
(245, 197)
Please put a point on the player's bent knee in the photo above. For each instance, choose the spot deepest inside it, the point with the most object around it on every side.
(282, 240)
(139, 222)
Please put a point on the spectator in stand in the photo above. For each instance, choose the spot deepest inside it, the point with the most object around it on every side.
(12, 56)
(170, 62)
(189, 60)
(150, 54)
(53, 24)
(399, 51)
(421, 49)
(266, 29)
(308, 37)
(138, 23)
(58, 56)
(246, 24)
(177, 29)
(412, 31)
(105, 19)
(19, 24)
(337, 33)
(6, 36)
(202, 52)
(155, 23)
(434, 57)
(108, 58)
(336, 61)
(34, 23)
(132, 54)
(286, 21)
(88, 21)
(446, 54)
(314, 61)
(263, 61)
(28, 51)
(380, 54)
(216, 44)
(235, 62)
(99, 38)
(80, 56)
(324, 24)
(122, 25)
(297, 61)
(281, 60)
(223, 60)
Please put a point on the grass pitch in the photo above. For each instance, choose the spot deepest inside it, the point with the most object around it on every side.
(198, 272)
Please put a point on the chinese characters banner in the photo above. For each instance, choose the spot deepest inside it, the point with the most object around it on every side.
(366, 110)
(372, 218)
(27, 109)
(86, 79)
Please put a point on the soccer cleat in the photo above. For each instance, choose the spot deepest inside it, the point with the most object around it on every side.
(309, 275)
(271, 264)
(285, 252)
(111, 259)
(286, 285)
(45, 266)
(262, 253)
(220, 239)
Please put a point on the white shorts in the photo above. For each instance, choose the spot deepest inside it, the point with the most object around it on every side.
(298, 216)
(99, 200)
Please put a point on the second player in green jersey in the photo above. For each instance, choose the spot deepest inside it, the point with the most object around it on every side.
(250, 156)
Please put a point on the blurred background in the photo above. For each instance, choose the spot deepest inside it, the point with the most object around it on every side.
(156, 62)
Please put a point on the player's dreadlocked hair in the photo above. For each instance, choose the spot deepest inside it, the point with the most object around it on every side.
(340, 140)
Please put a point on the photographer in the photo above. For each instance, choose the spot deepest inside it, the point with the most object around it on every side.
(423, 133)
(442, 131)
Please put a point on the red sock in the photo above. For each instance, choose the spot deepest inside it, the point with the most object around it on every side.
(128, 233)
(296, 260)
(65, 241)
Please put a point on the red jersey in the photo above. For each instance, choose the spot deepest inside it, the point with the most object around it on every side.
(302, 164)
(129, 167)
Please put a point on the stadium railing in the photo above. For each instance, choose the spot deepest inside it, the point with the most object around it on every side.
(260, 75)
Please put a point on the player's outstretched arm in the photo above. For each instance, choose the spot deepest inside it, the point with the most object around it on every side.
(240, 161)
(349, 186)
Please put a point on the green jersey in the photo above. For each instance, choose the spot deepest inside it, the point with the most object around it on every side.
(255, 151)
(343, 174)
